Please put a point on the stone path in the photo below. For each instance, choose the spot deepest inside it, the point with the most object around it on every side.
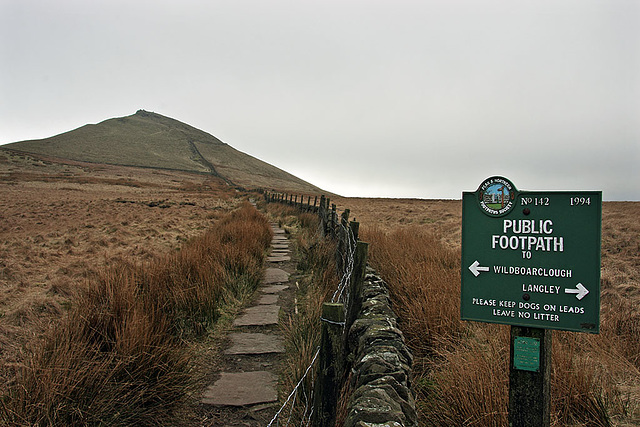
(245, 393)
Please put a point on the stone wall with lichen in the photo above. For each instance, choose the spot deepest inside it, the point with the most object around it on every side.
(380, 363)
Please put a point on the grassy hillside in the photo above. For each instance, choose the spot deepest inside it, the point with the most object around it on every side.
(151, 140)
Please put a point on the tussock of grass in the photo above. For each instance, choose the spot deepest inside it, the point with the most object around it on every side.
(425, 278)
(461, 369)
(119, 357)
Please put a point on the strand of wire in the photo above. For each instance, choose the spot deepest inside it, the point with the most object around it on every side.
(348, 262)
(348, 258)
(295, 389)
(332, 322)
(306, 419)
(293, 405)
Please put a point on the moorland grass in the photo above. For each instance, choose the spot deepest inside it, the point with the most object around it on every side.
(460, 372)
(461, 368)
(120, 356)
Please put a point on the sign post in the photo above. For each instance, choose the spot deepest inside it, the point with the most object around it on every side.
(531, 259)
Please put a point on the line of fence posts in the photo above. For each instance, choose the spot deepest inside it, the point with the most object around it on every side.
(292, 200)
(333, 365)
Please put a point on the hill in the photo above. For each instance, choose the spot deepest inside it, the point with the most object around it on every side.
(150, 140)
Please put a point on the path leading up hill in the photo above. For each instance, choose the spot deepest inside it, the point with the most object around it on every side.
(244, 392)
(151, 140)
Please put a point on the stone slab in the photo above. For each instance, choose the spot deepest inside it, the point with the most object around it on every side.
(273, 289)
(260, 315)
(275, 275)
(280, 246)
(277, 230)
(279, 239)
(275, 252)
(241, 389)
(248, 343)
(278, 258)
(267, 299)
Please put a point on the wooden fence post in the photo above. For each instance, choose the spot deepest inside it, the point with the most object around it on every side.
(322, 215)
(327, 220)
(355, 287)
(355, 229)
(334, 219)
(330, 366)
(343, 244)
(345, 217)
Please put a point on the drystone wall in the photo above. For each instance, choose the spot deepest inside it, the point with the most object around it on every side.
(377, 358)
(380, 363)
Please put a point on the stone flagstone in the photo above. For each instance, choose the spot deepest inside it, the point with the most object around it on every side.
(275, 275)
(242, 388)
(273, 289)
(255, 388)
(278, 258)
(275, 252)
(260, 315)
(248, 343)
(267, 299)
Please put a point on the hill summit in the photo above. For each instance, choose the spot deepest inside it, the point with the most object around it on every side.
(150, 140)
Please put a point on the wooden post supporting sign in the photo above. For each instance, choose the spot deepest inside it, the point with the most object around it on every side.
(530, 377)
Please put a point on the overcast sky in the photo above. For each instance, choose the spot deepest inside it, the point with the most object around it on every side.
(390, 98)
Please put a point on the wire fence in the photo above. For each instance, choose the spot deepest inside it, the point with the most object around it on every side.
(294, 393)
(338, 366)
(346, 254)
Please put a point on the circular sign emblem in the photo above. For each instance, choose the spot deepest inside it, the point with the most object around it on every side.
(496, 196)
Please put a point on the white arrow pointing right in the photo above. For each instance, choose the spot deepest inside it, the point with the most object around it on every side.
(580, 291)
(476, 268)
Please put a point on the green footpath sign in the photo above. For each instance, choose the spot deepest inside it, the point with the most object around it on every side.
(531, 258)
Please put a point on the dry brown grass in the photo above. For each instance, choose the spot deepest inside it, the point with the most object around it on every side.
(407, 258)
(60, 223)
(104, 238)
(118, 357)
(462, 368)
(440, 217)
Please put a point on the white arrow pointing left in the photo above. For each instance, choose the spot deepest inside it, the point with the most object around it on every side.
(580, 291)
(476, 268)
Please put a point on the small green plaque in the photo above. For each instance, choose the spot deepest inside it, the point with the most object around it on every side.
(526, 354)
